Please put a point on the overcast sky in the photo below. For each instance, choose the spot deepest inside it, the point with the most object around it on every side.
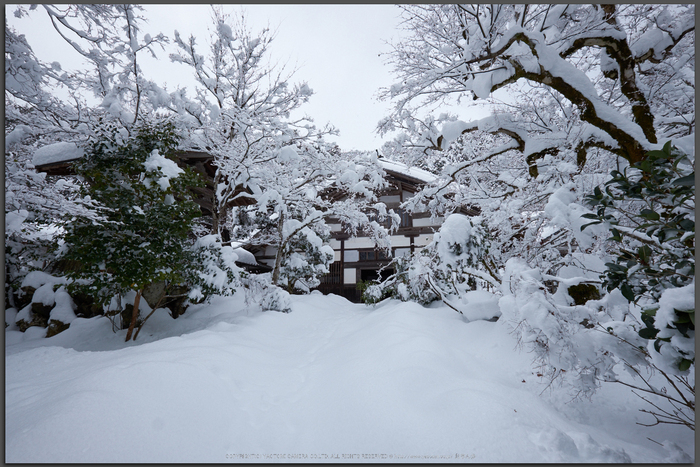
(336, 49)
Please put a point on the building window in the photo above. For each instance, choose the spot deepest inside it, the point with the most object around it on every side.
(387, 222)
(374, 274)
(405, 217)
(373, 255)
(334, 275)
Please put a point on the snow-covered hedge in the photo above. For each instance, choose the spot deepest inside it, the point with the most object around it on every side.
(447, 269)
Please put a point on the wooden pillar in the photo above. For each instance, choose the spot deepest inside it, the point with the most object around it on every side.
(342, 263)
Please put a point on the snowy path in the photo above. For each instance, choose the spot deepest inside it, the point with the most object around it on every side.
(402, 382)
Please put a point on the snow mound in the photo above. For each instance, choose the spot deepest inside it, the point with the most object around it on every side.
(480, 304)
(244, 256)
(36, 279)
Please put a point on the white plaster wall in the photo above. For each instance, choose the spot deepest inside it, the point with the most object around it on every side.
(400, 240)
(423, 240)
(361, 242)
(349, 276)
(390, 199)
(427, 222)
(352, 256)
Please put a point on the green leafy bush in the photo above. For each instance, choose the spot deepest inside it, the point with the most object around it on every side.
(650, 207)
(149, 213)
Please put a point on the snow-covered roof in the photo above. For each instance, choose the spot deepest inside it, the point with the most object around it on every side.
(413, 172)
(244, 256)
(57, 153)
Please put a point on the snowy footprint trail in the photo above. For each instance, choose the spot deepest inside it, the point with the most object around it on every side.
(331, 381)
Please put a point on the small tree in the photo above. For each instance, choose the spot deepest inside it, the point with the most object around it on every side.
(446, 269)
(241, 112)
(150, 214)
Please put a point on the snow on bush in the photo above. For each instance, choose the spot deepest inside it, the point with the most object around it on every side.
(682, 345)
(64, 311)
(14, 220)
(645, 321)
(163, 167)
(447, 269)
(216, 271)
(551, 329)
(57, 152)
(460, 242)
(16, 136)
(276, 299)
(564, 210)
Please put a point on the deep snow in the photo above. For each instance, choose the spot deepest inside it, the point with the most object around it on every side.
(330, 382)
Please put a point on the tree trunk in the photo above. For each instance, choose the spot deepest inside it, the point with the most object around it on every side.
(160, 300)
(280, 251)
(134, 316)
(214, 222)
(214, 215)
(215, 211)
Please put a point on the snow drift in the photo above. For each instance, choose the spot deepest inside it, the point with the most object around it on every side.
(330, 382)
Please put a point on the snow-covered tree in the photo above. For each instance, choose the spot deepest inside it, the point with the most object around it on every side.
(241, 111)
(242, 116)
(110, 40)
(45, 105)
(305, 186)
(576, 91)
(149, 216)
(446, 269)
(603, 59)
(569, 112)
(134, 246)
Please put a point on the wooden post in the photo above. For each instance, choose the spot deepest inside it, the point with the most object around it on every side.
(342, 264)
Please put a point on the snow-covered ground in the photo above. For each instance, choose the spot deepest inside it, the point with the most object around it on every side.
(330, 382)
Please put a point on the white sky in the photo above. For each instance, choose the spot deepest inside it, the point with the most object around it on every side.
(335, 49)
